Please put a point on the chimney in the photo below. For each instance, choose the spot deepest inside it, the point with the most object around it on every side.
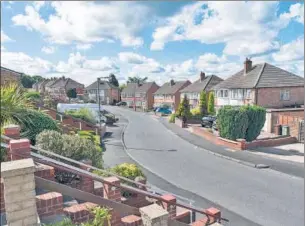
(202, 76)
(171, 82)
(247, 66)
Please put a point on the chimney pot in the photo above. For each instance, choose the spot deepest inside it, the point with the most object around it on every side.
(247, 65)
(172, 82)
(202, 76)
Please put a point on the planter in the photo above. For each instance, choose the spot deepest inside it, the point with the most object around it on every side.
(180, 123)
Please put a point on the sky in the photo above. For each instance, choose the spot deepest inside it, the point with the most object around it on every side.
(159, 40)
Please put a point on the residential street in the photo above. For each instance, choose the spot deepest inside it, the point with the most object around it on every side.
(264, 196)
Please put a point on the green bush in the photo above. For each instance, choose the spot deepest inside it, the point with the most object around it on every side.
(232, 122)
(82, 113)
(172, 118)
(71, 146)
(184, 108)
(102, 217)
(33, 96)
(256, 120)
(211, 107)
(38, 121)
(196, 113)
(64, 222)
(203, 103)
(90, 135)
(128, 170)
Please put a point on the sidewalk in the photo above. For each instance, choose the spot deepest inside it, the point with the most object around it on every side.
(287, 167)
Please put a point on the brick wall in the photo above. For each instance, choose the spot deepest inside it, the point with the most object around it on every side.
(9, 77)
(79, 213)
(270, 97)
(2, 210)
(49, 204)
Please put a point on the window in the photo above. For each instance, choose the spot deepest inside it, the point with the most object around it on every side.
(129, 95)
(285, 95)
(138, 94)
(223, 93)
(248, 93)
(237, 93)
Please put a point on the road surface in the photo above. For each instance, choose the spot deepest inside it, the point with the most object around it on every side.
(264, 196)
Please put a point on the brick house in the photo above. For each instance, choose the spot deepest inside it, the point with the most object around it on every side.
(10, 76)
(108, 93)
(261, 84)
(193, 90)
(139, 94)
(169, 94)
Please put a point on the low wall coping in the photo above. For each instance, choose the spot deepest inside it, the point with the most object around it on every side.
(17, 167)
(227, 140)
(283, 109)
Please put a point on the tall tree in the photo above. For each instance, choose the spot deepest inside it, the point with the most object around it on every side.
(71, 93)
(113, 80)
(136, 79)
(211, 107)
(184, 108)
(203, 102)
(27, 81)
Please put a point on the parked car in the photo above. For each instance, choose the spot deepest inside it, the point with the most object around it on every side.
(165, 111)
(122, 103)
(207, 121)
(214, 126)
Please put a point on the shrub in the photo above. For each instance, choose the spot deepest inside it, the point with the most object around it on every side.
(196, 113)
(82, 113)
(33, 96)
(232, 122)
(203, 103)
(211, 107)
(64, 222)
(71, 146)
(172, 118)
(256, 120)
(38, 121)
(90, 135)
(184, 108)
(102, 217)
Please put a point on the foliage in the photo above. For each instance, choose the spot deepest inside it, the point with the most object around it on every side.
(71, 93)
(211, 107)
(64, 222)
(49, 102)
(27, 81)
(71, 146)
(13, 105)
(232, 122)
(172, 118)
(102, 217)
(184, 108)
(33, 96)
(82, 113)
(123, 86)
(2, 154)
(128, 170)
(136, 79)
(196, 112)
(90, 135)
(113, 80)
(256, 120)
(203, 102)
(38, 122)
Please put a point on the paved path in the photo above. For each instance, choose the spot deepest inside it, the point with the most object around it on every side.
(266, 197)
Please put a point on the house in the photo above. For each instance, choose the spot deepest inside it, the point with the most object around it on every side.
(169, 94)
(10, 76)
(58, 88)
(139, 94)
(108, 93)
(192, 91)
(46, 87)
(40, 86)
(261, 84)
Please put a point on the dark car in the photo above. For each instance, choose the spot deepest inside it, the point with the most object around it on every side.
(122, 103)
(208, 121)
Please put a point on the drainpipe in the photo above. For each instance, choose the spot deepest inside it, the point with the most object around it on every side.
(256, 96)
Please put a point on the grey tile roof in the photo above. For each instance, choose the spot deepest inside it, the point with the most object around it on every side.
(10, 70)
(199, 85)
(168, 89)
(130, 88)
(49, 83)
(143, 88)
(103, 85)
(261, 75)
(62, 82)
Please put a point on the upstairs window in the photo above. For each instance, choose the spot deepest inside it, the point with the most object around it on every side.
(285, 95)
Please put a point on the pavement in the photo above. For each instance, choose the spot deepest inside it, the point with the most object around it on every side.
(262, 196)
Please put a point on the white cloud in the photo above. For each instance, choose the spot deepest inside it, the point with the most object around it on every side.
(88, 22)
(22, 62)
(83, 46)
(38, 4)
(5, 38)
(48, 49)
(246, 28)
(2, 48)
(296, 12)
(131, 58)
(290, 51)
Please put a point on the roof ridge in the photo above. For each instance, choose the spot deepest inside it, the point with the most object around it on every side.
(210, 78)
(260, 74)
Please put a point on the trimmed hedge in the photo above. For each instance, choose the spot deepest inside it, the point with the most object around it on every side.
(232, 123)
(256, 121)
(244, 122)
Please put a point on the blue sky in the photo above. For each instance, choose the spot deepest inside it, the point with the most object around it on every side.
(160, 40)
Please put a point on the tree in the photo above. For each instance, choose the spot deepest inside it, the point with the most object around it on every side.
(122, 87)
(184, 108)
(113, 80)
(136, 79)
(211, 107)
(203, 102)
(71, 93)
(27, 81)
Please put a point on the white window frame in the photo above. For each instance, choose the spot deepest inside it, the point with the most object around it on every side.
(285, 95)
(248, 93)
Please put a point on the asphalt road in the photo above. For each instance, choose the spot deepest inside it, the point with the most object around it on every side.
(263, 196)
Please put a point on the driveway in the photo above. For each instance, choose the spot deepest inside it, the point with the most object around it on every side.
(264, 196)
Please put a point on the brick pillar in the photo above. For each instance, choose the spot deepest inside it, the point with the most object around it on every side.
(19, 192)
(86, 183)
(242, 144)
(12, 131)
(113, 193)
(170, 208)
(20, 147)
(154, 215)
(214, 214)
